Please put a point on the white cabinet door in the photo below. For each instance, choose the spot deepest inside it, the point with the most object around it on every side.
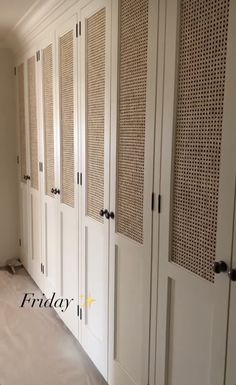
(230, 115)
(21, 83)
(134, 29)
(49, 170)
(231, 348)
(34, 225)
(197, 191)
(67, 163)
(95, 128)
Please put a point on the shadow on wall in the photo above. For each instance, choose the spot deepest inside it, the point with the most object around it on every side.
(8, 168)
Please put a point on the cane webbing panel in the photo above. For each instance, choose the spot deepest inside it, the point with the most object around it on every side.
(47, 68)
(21, 109)
(33, 131)
(67, 117)
(201, 81)
(95, 113)
(131, 117)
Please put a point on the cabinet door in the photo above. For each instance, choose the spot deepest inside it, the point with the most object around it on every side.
(231, 145)
(95, 110)
(49, 177)
(133, 119)
(67, 163)
(34, 227)
(197, 190)
(23, 163)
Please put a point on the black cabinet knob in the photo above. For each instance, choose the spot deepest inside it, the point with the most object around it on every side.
(55, 191)
(232, 274)
(109, 215)
(103, 212)
(26, 177)
(219, 267)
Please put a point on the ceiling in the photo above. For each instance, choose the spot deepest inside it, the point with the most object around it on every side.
(11, 11)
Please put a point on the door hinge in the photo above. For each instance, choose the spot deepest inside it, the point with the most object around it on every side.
(80, 314)
(159, 204)
(79, 178)
(77, 310)
(38, 56)
(20, 242)
(41, 166)
(78, 29)
(153, 201)
(42, 268)
(17, 159)
(15, 71)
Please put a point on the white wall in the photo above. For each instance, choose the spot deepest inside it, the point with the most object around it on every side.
(8, 169)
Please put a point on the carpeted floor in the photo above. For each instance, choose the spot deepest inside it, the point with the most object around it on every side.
(35, 346)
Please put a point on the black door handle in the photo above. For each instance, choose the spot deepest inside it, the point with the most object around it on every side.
(26, 177)
(232, 274)
(219, 267)
(55, 191)
(109, 215)
(102, 212)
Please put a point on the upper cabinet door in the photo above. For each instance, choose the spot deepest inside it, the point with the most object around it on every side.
(197, 188)
(134, 32)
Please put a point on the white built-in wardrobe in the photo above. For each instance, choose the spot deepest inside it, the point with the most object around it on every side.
(126, 160)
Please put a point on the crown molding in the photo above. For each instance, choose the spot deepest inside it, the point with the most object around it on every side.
(33, 22)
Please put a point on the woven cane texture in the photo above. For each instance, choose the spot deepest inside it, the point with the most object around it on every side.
(47, 69)
(67, 117)
(201, 83)
(33, 130)
(95, 113)
(21, 111)
(132, 115)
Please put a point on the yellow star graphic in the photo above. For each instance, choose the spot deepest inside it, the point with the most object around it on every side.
(90, 301)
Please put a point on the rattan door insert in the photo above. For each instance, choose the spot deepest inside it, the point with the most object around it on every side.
(200, 102)
(66, 79)
(33, 129)
(95, 113)
(21, 111)
(132, 117)
(47, 79)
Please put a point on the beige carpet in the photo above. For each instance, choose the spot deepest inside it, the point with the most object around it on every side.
(35, 346)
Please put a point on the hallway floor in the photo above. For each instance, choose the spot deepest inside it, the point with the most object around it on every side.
(35, 346)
